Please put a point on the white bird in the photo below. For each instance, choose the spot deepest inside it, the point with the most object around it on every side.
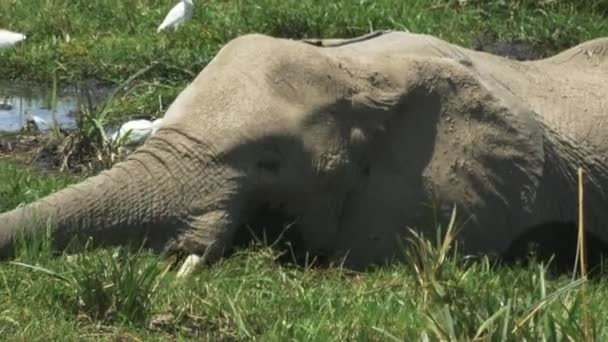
(156, 125)
(179, 14)
(8, 38)
(6, 104)
(140, 130)
(33, 122)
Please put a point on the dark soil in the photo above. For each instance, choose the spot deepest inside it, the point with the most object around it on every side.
(513, 49)
(31, 148)
(67, 153)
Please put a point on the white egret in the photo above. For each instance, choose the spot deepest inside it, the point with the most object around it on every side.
(8, 38)
(156, 125)
(139, 131)
(179, 14)
(6, 104)
(34, 122)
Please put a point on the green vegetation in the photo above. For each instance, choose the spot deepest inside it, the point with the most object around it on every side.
(133, 295)
(19, 184)
(112, 39)
(116, 294)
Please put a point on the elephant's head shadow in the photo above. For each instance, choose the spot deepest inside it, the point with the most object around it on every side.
(399, 134)
(557, 242)
(397, 139)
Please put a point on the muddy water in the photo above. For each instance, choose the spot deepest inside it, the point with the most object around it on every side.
(20, 101)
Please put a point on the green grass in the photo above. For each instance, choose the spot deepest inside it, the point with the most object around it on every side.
(21, 184)
(131, 294)
(115, 294)
(250, 296)
(111, 39)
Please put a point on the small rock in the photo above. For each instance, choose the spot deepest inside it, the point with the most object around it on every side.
(192, 264)
(161, 322)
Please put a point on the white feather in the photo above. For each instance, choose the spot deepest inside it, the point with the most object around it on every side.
(179, 14)
(8, 38)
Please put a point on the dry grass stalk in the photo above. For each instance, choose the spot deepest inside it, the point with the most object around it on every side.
(581, 256)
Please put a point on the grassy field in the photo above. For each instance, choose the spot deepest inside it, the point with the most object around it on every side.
(131, 296)
(112, 39)
(100, 295)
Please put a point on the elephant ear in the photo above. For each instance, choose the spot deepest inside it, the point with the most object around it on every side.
(488, 150)
(451, 135)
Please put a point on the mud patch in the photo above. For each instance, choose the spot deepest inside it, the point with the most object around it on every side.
(20, 147)
(68, 152)
(513, 49)
(38, 150)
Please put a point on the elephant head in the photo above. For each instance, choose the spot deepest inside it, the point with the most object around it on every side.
(350, 141)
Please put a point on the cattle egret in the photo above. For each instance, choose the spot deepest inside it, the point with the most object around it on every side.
(6, 105)
(139, 130)
(8, 38)
(156, 125)
(179, 14)
(33, 122)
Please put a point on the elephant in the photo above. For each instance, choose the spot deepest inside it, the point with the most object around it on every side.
(350, 142)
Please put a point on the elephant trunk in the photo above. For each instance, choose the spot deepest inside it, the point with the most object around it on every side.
(139, 198)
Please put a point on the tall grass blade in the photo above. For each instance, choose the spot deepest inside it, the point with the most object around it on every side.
(488, 322)
(533, 309)
(46, 271)
(387, 335)
(581, 248)
(55, 123)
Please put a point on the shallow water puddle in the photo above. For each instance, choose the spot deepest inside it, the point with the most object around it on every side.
(18, 101)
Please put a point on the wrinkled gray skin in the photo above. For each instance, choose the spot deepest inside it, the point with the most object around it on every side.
(358, 139)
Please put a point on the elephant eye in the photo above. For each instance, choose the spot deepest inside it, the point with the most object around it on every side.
(268, 165)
